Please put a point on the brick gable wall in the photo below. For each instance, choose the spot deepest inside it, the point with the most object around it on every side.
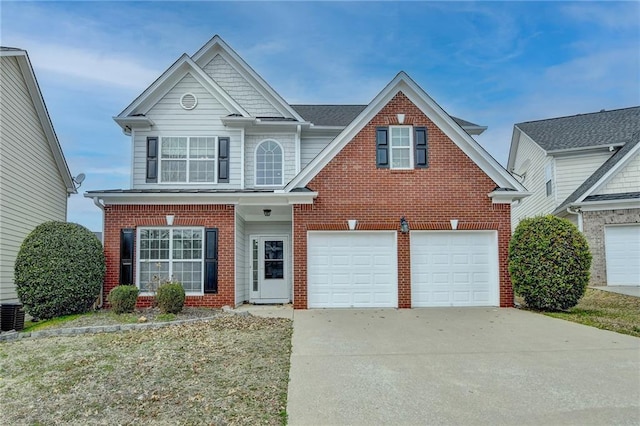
(222, 217)
(351, 187)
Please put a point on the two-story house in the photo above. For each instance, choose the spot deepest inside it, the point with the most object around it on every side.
(34, 178)
(586, 168)
(244, 198)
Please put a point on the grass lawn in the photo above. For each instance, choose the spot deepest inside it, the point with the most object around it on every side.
(229, 370)
(605, 310)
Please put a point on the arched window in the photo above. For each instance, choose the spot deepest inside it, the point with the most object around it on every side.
(269, 163)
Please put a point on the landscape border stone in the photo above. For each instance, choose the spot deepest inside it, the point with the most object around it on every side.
(96, 329)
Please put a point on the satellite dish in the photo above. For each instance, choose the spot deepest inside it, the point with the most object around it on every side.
(79, 179)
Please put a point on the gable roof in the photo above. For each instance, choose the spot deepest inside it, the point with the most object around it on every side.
(603, 128)
(607, 170)
(43, 114)
(183, 66)
(217, 46)
(342, 115)
(403, 83)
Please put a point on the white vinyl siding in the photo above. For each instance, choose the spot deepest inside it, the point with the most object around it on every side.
(626, 180)
(538, 203)
(31, 188)
(572, 171)
(242, 293)
(239, 88)
(310, 147)
(286, 141)
(172, 120)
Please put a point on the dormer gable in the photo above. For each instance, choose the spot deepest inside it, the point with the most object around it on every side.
(240, 80)
(134, 116)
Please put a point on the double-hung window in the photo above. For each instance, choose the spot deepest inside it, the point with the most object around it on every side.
(401, 147)
(187, 159)
(548, 179)
(174, 254)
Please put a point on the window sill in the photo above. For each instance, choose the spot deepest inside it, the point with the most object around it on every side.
(402, 171)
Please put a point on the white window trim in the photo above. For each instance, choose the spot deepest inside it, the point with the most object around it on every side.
(255, 165)
(215, 160)
(410, 148)
(170, 228)
(548, 177)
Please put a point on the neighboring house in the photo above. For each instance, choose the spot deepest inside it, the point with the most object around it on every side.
(245, 198)
(586, 168)
(34, 178)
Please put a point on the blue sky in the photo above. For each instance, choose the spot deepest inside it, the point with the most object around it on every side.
(492, 63)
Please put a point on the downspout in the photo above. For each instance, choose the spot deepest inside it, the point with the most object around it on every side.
(579, 213)
(97, 202)
(298, 144)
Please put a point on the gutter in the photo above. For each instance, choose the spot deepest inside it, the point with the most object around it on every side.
(577, 212)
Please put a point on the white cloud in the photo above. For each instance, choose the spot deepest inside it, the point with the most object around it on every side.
(98, 66)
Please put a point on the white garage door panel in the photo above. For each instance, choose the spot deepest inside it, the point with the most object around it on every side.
(457, 268)
(622, 252)
(352, 269)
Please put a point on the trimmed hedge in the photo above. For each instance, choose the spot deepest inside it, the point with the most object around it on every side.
(59, 270)
(549, 261)
(123, 298)
(170, 297)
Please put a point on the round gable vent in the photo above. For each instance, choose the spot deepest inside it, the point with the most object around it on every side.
(188, 101)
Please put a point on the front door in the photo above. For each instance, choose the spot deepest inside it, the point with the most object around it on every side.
(270, 283)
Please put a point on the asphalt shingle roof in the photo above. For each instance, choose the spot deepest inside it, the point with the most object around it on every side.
(342, 115)
(584, 130)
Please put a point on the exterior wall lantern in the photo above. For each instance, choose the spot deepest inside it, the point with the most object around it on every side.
(404, 225)
(267, 212)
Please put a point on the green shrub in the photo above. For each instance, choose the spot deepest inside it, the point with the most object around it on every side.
(549, 263)
(59, 270)
(170, 297)
(123, 298)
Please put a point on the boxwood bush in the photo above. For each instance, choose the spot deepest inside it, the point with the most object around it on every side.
(549, 261)
(170, 297)
(59, 270)
(123, 298)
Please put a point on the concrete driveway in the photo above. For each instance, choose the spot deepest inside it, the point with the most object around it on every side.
(459, 366)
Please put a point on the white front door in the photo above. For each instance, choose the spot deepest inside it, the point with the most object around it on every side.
(270, 281)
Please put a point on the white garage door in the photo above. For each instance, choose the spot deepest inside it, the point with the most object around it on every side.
(622, 252)
(454, 268)
(352, 269)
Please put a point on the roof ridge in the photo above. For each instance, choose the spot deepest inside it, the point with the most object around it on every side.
(580, 114)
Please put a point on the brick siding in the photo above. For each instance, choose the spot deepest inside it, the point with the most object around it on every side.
(351, 187)
(593, 227)
(222, 217)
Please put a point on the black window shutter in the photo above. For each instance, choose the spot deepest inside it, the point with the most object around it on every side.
(382, 147)
(223, 160)
(211, 260)
(152, 159)
(126, 255)
(420, 139)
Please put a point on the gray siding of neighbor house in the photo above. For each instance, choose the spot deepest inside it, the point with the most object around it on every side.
(31, 188)
(593, 228)
(172, 120)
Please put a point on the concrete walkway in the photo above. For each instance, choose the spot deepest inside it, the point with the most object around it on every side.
(459, 366)
(629, 290)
